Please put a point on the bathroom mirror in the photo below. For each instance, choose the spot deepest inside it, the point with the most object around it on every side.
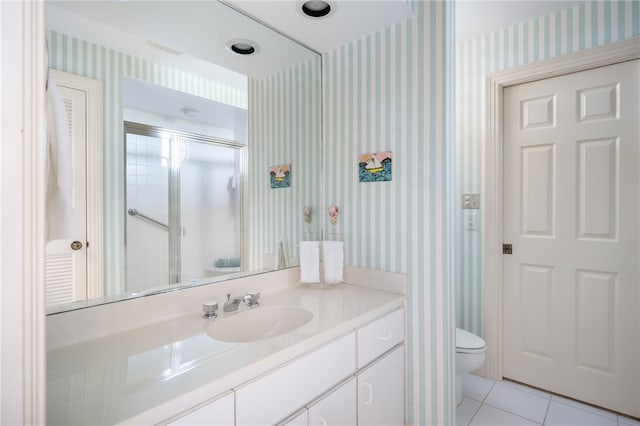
(151, 51)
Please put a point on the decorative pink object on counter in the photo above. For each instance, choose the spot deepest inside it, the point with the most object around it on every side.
(334, 211)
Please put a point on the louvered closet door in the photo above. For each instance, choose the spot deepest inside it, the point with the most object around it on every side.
(66, 269)
(571, 193)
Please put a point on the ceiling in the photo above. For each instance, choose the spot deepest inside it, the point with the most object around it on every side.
(349, 19)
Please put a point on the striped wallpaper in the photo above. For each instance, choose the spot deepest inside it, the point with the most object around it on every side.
(393, 90)
(284, 128)
(589, 24)
(80, 57)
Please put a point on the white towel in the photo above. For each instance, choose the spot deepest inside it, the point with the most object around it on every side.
(309, 262)
(60, 214)
(333, 255)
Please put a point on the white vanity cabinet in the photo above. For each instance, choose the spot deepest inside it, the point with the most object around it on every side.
(355, 379)
(314, 374)
(220, 412)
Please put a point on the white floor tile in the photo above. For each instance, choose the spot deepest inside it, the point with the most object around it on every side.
(490, 416)
(626, 421)
(566, 415)
(519, 402)
(466, 411)
(526, 388)
(510, 403)
(476, 387)
(585, 407)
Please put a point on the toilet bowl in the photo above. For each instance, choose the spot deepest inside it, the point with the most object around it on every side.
(470, 354)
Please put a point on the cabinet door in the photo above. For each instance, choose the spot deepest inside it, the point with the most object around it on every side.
(381, 391)
(220, 412)
(336, 409)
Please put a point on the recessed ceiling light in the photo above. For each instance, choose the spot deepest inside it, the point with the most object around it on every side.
(316, 8)
(242, 47)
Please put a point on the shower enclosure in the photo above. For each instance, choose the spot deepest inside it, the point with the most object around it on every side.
(183, 207)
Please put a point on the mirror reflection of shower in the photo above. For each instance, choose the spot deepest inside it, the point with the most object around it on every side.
(183, 205)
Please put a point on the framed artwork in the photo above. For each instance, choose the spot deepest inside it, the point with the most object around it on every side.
(375, 166)
(280, 176)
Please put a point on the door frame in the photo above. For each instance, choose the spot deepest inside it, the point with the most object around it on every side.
(492, 176)
(22, 187)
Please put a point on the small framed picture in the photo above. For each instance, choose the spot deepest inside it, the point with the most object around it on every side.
(375, 166)
(280, 176)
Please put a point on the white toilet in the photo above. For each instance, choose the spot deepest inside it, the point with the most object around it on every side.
(470, 354)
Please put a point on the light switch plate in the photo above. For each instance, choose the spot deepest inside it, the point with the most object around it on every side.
(471, 201)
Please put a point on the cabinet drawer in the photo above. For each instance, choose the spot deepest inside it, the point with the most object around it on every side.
(280, 393)
(379, 336)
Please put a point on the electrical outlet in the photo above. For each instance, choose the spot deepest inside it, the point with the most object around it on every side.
(470, 201)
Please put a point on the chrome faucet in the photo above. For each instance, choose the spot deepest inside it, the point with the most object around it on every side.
(231, 305)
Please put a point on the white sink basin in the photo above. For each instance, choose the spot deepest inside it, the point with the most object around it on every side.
(258, 323)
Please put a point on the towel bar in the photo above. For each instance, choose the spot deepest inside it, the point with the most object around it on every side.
(136, 213)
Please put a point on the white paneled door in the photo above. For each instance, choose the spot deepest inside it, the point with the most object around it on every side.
(66, 258)
(571, 199)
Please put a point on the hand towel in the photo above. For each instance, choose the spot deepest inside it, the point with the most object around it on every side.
(60, 213)
(309, 262)
(333, 255)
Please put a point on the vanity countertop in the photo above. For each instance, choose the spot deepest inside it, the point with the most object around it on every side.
(145, 375)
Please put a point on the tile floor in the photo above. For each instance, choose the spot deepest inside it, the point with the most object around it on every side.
(490, 403)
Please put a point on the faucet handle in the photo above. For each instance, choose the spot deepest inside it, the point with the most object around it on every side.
(252, 299)
(209, 309)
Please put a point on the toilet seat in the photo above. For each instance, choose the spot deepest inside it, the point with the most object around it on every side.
(468, 343)
(470, 351)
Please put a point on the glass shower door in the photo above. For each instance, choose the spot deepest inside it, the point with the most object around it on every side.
(210, 209)
(183, 204)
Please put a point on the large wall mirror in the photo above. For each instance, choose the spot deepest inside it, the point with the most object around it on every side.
(190, 163)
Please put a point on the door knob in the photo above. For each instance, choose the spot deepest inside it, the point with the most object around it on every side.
(76, 245)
